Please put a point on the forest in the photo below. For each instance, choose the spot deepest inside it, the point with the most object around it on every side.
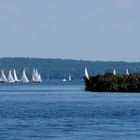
(113, 83)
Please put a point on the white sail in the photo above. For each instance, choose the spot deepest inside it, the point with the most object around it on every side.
(36, 77)
(3, 77)
(15, 76)
(10, 77)
(114, 72)
(127, 72)
(39, 78)
(24, 78)
(36, 72)
(86, 74)
(69, 77)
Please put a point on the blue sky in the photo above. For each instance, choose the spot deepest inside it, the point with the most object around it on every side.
(73, 29)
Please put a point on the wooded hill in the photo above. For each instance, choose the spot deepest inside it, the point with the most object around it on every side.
(61, 68)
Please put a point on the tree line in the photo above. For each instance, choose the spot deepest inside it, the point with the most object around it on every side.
(113, 83)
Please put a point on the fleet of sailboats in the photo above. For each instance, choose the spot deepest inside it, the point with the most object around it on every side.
(114, 73)
(12, 77)
(36, 76)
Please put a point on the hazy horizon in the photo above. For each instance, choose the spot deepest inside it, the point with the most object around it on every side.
(69, 59)
(79, 30)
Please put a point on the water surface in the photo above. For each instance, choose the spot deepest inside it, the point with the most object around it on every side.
(61, 111)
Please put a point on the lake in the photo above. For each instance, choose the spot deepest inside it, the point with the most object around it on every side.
(64, 111)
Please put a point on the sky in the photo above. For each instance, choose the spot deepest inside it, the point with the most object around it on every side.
(96, 30)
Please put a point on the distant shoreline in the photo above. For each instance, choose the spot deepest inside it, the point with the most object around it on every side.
(72, 59)
(62, 68)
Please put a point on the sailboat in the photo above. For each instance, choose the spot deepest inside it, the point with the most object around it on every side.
(36, 77)
(24, 78)
(15, 76)
(69, 77)
(10, 77)
(127, 72)
(3, 77)
(86, 73)
(114, 72)
(64, 80)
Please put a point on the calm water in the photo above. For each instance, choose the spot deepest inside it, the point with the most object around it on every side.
(66, 112)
